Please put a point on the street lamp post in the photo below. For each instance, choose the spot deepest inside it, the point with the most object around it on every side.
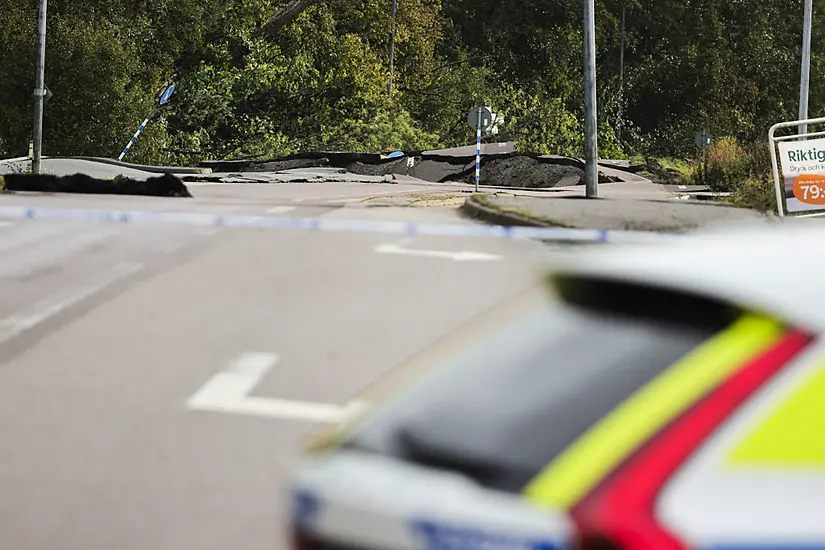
(621, 82)
(392, 48)
(806, 66)
(591, 173)
(39, 89)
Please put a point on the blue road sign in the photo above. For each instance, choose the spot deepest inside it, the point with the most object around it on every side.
(167, 94)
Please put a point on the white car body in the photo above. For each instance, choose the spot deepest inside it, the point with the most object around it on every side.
(757, 481)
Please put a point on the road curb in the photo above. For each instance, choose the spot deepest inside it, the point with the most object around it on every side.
(478, 208)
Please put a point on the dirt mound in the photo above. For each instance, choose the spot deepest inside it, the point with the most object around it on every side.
(524, 171)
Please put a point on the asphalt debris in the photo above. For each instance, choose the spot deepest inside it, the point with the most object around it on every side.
(165, 185)
(504, 167)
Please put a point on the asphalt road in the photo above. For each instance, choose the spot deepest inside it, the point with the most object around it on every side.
(109, 331)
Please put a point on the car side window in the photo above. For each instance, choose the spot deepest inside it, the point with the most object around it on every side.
(505, 408)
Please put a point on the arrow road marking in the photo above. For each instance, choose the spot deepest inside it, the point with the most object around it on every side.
(228, 392)
(463, 256)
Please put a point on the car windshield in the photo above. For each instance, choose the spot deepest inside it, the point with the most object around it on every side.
(552, 370)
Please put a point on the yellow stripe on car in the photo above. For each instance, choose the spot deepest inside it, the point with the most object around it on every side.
(793, 435)
(604, 446)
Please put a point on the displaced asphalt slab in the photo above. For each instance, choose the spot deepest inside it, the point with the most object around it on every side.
(67, 167)
(501, 165)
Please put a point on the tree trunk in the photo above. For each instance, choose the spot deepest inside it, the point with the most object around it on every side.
(285, 16)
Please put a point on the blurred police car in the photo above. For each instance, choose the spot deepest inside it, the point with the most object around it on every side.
(651, 397)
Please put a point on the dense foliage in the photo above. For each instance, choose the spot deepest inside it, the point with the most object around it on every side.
(320, 82)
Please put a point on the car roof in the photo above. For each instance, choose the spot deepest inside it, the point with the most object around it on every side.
(775, 267)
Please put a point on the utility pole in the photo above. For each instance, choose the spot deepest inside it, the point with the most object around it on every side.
(806, 66)
(392, 48)
(39, 89)
(591, 172)
(621, 83)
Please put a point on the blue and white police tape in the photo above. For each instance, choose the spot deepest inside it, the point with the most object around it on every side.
(192, 219)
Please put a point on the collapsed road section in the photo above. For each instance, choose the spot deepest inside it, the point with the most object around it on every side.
(502, 165)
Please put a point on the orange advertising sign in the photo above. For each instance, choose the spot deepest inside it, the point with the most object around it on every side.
(810, 189)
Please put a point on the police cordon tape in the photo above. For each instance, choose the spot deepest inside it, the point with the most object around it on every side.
(192, 219)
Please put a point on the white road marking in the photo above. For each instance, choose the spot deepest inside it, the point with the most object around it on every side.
(463, 256)
(297, 200)
(280, 209)
(14, 325)
(228, 392)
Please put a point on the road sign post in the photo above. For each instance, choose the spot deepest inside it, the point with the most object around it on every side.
(478, 148)
(703, 141)
(164, 98)
(480, 118)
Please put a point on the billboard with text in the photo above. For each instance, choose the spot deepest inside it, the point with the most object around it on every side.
(803, 174)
